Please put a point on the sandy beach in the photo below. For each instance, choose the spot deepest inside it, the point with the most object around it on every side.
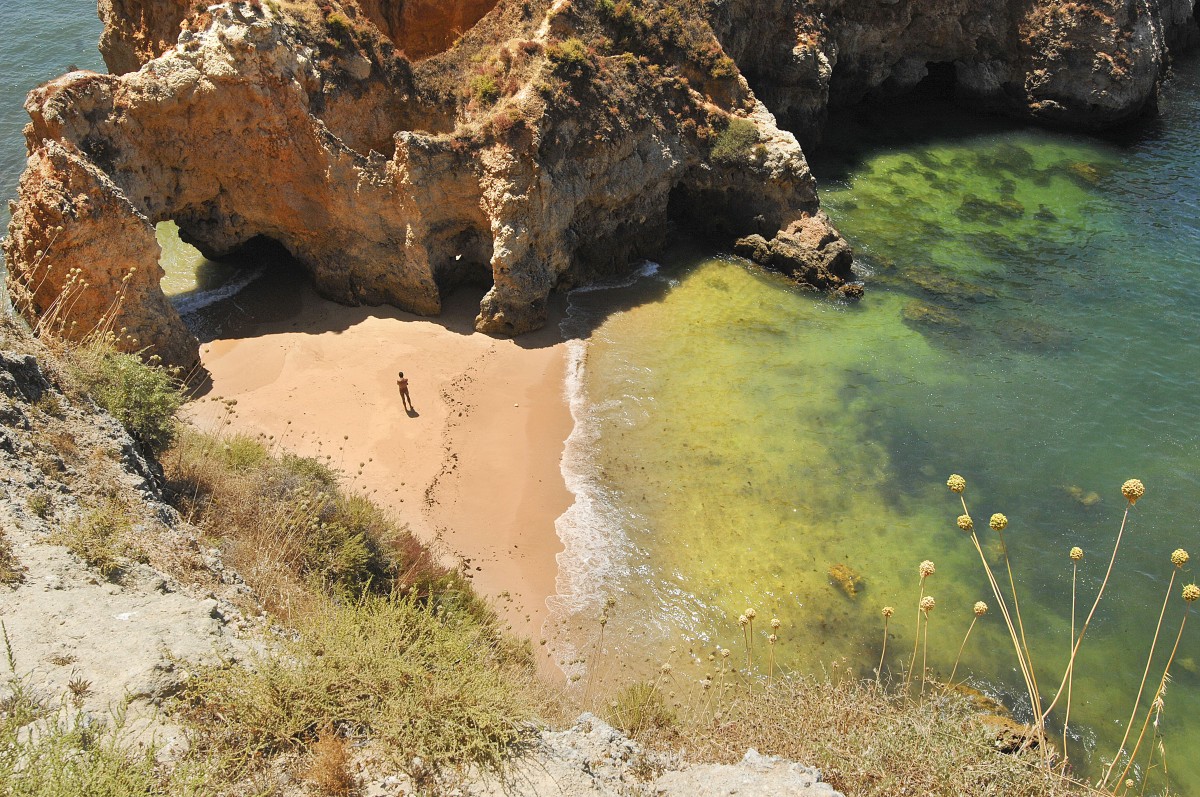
(475, 468)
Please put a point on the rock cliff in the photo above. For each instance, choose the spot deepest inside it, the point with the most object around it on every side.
(1085, 63)
(400, 149)
(536, 153)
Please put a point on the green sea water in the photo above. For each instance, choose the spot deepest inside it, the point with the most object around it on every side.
(1030, 322)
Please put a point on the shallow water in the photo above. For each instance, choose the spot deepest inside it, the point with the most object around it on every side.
(1032, 301)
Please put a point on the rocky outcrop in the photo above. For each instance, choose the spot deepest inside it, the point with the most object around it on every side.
(551, 144)
(83, 259)
(127, 639)
(532, 165)
(135, 32)
(593, 758)
(1087, 64)
(810, 251)
(421, 28)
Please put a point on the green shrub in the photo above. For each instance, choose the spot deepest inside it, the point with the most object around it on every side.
(242, 453)
(724, 67)
(99, 538)
(339, 25)
(50, 404)
(70, 755)
(142, 396)
(484, 89)
(734, 145)
(39, 503)
(418, 681)
(569, 56)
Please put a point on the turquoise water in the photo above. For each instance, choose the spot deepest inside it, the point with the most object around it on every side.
(42, 41)
(1030, 322)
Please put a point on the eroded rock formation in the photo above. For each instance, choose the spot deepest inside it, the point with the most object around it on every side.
(552, 143)
(421, 28)
(526, 165)
(1084, 63)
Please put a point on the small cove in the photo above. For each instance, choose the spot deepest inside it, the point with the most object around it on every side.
(1029, 323)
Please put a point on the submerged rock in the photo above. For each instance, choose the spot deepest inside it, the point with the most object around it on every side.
(1085, 498)
(846, 579)
(989, 211)
(946, 287)
(921, 314)
(1032, 333)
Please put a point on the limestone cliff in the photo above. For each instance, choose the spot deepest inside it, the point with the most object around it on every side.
(135, 32)
(1081, 63)
(534, 154)
(400, 148)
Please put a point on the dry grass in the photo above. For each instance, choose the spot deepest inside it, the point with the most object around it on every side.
(329, 768)
(291, 532)
(11, 571)
(640, 709)
(385, 646)
(865, 739)
(434, 689)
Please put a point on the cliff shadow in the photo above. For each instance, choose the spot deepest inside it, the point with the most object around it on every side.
(932, 112)
(271, 293)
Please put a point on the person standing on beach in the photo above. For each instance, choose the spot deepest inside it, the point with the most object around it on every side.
(405, 399)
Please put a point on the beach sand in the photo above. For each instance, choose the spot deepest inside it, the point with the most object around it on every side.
(476, 467)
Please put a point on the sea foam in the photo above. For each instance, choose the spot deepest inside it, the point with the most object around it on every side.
(188, 303)
(592, 530)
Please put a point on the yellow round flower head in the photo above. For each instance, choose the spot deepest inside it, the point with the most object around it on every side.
(743, 619)
(980, 608)
(772, 639)
(998, 522)
(956, 483)
(888, 611)
(1076, 553)
(965, 523)
(775, 623)
(751, 614)
(927, 604)
(1179, 558)
(1133, 490)
(926, 569)
(1191, 592)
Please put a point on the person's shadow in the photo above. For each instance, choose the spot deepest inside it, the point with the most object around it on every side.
(412, 412)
